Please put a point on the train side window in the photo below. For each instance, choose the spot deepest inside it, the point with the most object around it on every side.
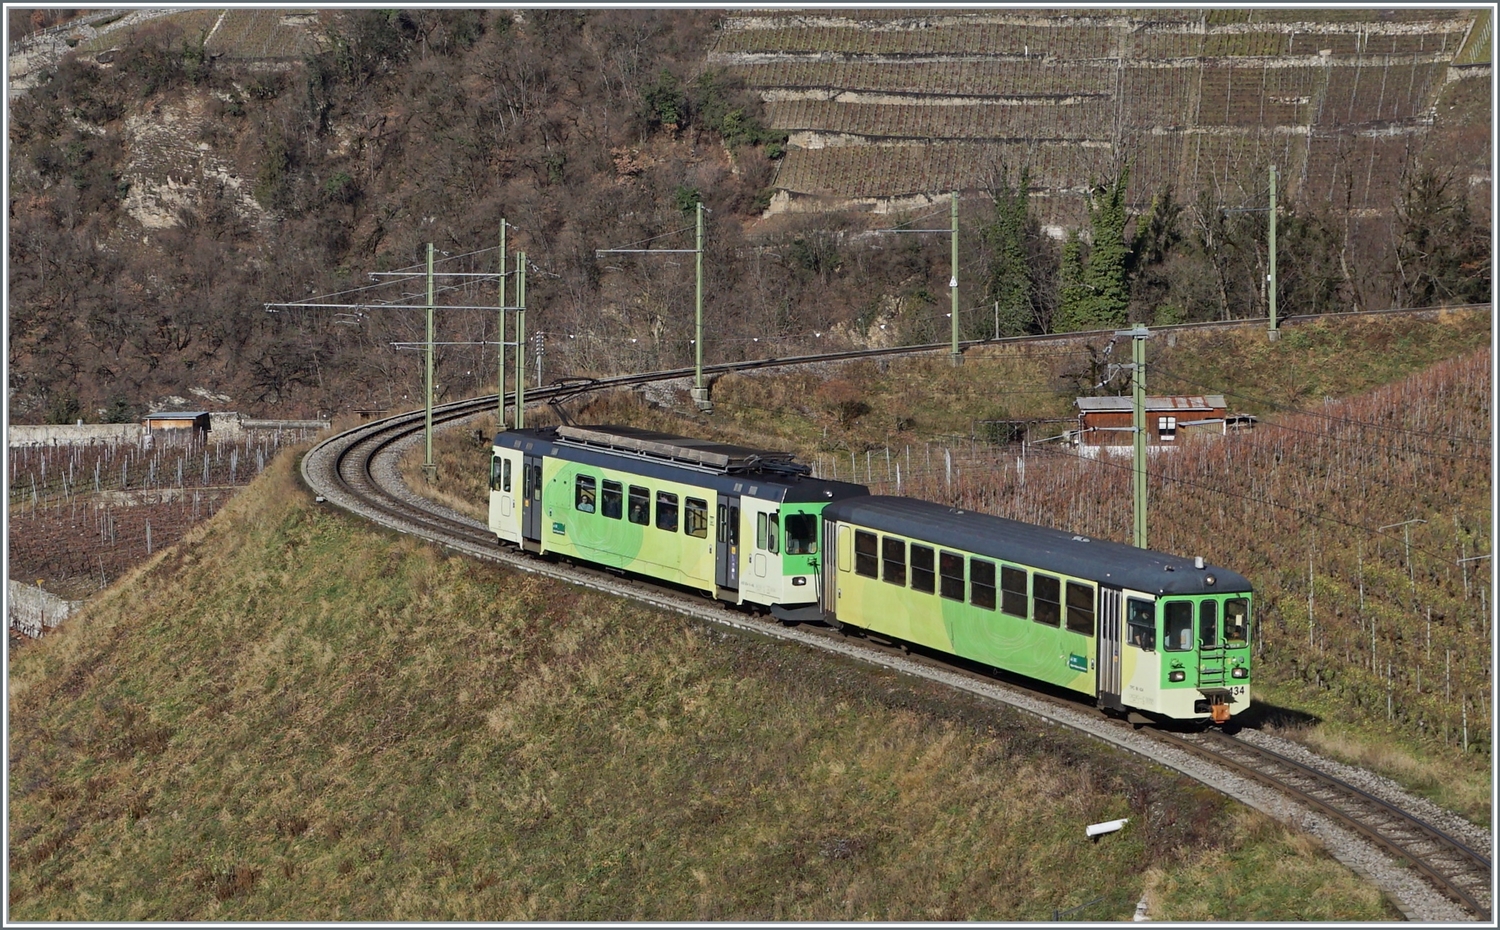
(923, 578)
(640, 506)
(495, 472)
(584, 488)
(666, 511)
(1179, 622)
(1080, 608)
(982, 583)
(1048, 593)
(505, 475)
(951, 571)
(734, 526)
(695, 517)
(1140, 619)
(611, 500)
(723, 532)
(773, 520)
(893, 560)
(866, 554)
(1208, 623)
(1014, 598)
(1236, 621)
(760, 531)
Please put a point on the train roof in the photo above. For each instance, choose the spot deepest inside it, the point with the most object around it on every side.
(725, 467)
(1099, 560)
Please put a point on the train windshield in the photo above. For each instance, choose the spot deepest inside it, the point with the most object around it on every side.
(802, 534)
(1236, 621)
(1179, 617)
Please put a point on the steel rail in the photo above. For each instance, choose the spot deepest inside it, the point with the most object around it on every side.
(1449, 864)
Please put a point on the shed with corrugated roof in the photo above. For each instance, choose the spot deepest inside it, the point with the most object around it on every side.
(1106, 421)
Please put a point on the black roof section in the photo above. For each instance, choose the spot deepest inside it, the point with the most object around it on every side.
(1036, 546)
(728, 469)
(721, 456)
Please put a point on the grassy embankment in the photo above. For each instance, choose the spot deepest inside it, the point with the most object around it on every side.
(292, 716)
(1349, 659)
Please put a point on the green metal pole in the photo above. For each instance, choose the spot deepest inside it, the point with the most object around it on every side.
(953, 282)
(1138, 421)
(1271, 278)
(500, 365)
(700, 391)
(698, 311)
(427, 465)
(520, 339)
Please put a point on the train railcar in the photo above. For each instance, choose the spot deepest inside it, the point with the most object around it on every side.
(1132, 628)
(741, 524)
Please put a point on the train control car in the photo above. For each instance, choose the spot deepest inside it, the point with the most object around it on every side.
(741, 524)
(1134, 629)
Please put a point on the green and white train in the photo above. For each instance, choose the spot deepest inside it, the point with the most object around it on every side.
(1134, 629)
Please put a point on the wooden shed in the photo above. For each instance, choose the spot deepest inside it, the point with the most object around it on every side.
(1106, 421)
(178, 424)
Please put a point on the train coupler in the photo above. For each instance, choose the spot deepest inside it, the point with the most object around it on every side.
(1217, 701)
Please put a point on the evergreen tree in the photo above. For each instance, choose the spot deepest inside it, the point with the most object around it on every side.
(1095, 287)
(1073, 296)
(1010, 285)
(1105, 273)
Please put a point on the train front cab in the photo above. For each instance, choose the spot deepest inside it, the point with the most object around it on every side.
(1182, 657)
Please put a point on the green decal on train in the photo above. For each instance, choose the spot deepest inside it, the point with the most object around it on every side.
(1078, 663)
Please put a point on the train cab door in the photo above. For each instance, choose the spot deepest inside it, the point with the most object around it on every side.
(531, 502)
(1210, 646)
(727, 552)
(505, 520)
(1108, 660)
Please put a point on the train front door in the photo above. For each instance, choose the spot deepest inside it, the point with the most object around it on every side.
(531, 501)
(727, 549)
(1110, 673)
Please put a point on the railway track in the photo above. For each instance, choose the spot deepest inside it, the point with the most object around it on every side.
(1458, 871)
(356, 471)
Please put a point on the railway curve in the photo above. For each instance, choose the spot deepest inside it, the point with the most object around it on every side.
(356, 471)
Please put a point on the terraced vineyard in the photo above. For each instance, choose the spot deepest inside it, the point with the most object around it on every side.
(266, 35)
(888, 104)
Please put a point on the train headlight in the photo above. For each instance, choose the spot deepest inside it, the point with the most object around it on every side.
(799, 581)
(1178, 675)
(1240, 672)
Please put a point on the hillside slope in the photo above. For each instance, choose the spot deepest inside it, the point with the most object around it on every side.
(290, 716)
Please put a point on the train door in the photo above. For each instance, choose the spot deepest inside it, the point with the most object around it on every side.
(1210, 646)
(761, 575)
(531, 500)
(727, 555)
(1108, 660)
(837, 549)
(505, 520)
